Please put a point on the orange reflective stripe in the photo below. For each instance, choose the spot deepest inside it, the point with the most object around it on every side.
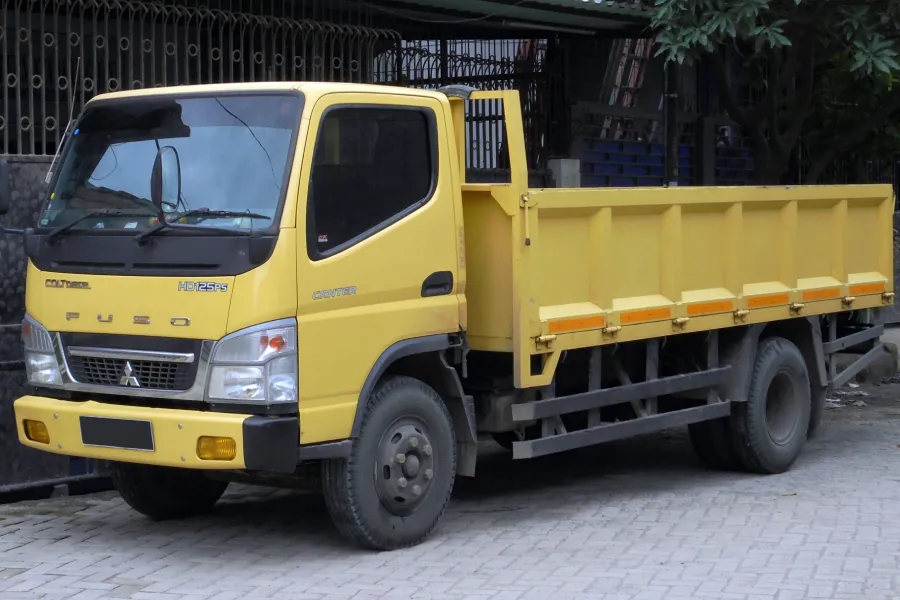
(767, 301)
(579, 324)
(642, 316)
(708, 308)
(826, 294)
(861, 289)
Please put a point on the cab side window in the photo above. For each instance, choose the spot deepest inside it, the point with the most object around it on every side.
(372, 166)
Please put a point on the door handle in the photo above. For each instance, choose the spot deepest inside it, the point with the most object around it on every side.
(437, 284)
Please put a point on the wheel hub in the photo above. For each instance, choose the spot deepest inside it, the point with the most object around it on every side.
(782, 411)
(411, 466)
(405, 466)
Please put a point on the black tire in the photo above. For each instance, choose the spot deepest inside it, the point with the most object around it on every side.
(770, 428)
(816, 409)
(713, 444)
(163, 493)
(374, 499)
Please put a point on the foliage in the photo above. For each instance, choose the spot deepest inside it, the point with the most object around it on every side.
(832, 64)
(845, 106)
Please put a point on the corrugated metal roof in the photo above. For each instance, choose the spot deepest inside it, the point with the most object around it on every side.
(588, 14)
(632, 7)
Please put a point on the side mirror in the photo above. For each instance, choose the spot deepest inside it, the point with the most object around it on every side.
(5, 187)
(165, 180)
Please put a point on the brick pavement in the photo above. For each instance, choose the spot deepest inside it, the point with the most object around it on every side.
(636, 520)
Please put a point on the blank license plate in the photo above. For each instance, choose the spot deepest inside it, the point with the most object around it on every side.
(127, 434)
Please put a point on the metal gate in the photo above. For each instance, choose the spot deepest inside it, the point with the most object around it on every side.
(60, 53)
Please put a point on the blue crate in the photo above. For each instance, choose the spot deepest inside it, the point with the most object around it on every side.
(649, 182)
(621, 181)
(622, 158)
(594, 181)
(635, 170)
(606, 169)
(594, 156)
(650, 160)
(604, 146)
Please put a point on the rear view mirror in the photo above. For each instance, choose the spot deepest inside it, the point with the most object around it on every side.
(165, 181)
(5, 187)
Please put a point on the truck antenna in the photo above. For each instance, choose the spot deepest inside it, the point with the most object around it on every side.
(65, 134)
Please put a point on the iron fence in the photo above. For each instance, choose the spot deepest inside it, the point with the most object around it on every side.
(507, 64)
(60, 53)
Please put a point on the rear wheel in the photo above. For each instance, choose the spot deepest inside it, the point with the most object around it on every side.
(165, 493)
(392, 490)
(770, 428)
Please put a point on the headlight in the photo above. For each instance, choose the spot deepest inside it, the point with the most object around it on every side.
(41, 365)
(257, 365)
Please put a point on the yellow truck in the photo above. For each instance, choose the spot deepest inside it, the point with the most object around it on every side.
(257, 282)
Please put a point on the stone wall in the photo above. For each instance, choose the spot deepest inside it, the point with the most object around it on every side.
(20, 466)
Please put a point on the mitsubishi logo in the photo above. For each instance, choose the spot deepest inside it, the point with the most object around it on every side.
(128, 378)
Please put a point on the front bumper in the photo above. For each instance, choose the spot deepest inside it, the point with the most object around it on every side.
(263, 443)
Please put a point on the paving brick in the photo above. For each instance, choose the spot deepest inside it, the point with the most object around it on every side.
(637, 519)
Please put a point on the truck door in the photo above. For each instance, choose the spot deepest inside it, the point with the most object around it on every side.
(380, 264)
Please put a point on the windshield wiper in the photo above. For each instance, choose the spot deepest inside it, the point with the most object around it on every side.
(209, 213)
(203, 213)
(108, 212)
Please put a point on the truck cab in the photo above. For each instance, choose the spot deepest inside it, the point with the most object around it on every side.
(201, 291)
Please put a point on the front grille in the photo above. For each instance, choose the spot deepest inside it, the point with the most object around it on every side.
(156, 375)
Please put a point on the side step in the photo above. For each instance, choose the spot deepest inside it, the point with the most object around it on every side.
(616, 431)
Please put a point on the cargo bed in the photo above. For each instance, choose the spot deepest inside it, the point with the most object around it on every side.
(555, 269)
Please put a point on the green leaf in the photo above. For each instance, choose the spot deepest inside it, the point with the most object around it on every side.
(781, 39)
(858, 62)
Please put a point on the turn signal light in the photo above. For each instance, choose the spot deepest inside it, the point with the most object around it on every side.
(216, 448)
(36, 431)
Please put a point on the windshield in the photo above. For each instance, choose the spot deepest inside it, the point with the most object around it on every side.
(233, 153)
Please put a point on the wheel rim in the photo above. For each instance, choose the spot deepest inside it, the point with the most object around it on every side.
(404, 468)
(782, 410)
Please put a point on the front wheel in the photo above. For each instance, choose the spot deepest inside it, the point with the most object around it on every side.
(392, 490)
(165, 493)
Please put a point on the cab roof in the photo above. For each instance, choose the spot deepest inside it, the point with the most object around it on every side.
(316, 88)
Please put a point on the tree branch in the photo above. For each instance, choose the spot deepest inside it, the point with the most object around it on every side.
(804, 96)
(785, 72)
(723, 83)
